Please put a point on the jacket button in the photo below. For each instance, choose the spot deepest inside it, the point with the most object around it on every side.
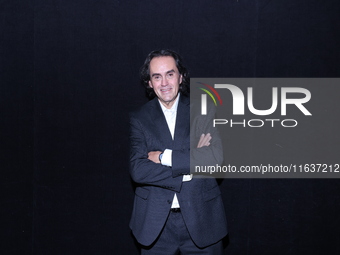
(169, 201)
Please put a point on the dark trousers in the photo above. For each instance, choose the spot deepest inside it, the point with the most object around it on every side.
(175, 239)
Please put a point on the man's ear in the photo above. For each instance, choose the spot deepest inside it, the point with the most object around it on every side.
(180, 79)
(150, 84)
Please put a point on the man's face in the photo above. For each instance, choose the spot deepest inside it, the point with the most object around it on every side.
(165, 79)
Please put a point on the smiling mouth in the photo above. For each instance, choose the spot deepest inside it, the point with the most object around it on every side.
(165, 90)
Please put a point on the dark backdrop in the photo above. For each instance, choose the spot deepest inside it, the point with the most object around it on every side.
(69, 77)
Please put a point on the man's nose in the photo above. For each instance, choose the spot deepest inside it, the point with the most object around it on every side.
(164, 81)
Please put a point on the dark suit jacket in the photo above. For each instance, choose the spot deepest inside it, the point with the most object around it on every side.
(199, 199)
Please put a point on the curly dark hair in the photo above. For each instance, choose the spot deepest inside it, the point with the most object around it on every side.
(145, 71)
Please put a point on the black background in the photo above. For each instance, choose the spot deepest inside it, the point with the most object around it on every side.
(69, 77)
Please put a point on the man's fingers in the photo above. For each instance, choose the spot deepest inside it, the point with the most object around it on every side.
(204, 140)
(199, 145)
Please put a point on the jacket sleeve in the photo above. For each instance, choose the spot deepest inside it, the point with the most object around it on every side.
(206, 155)
(143, 170)
(180, 162)
(191, 156)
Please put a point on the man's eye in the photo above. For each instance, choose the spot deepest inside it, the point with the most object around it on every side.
(157, 77)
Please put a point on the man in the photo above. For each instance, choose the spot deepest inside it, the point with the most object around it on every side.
(173, 212)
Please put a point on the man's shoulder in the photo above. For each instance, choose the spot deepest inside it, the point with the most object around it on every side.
(185, 99)
(145, 109)
(152, 105)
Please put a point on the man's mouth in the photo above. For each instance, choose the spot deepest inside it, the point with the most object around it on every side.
(165, 90)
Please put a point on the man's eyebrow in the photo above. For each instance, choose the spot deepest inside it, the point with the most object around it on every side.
(170, 71)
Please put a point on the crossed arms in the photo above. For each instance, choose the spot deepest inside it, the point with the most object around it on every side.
(204, 141)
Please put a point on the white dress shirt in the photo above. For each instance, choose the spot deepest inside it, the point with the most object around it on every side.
(170, 116)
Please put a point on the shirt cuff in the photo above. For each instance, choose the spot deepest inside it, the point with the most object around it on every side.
(167, 158)
(187, 177)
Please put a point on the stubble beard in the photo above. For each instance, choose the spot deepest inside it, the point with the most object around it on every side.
(168, 102)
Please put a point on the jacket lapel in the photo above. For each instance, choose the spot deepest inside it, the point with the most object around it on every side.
(182, 121)
(159, 123)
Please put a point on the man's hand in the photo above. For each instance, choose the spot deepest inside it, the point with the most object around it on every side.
(154, 156)
(204, 140)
